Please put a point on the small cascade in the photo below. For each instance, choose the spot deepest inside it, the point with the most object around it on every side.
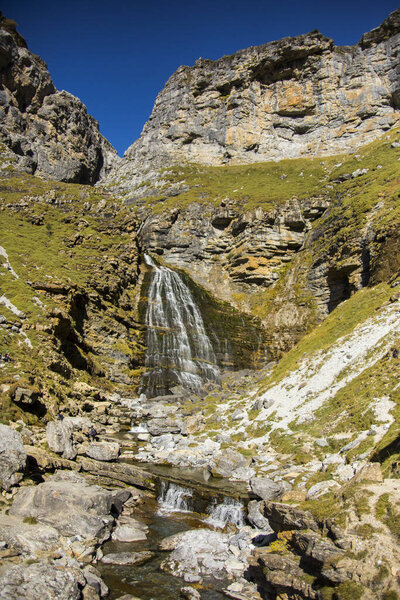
(139, 428)
(174, 498)
(179, 350)
(229, 511)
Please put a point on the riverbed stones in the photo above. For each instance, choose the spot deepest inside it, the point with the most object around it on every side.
(127, 558)
(12, 457)
(66, 502)
(103, 451)
(130, 530)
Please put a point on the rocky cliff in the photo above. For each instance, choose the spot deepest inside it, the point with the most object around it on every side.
(299, 96)
(49, 131)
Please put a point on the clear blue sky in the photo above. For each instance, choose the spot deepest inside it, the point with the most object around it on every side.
(117, 55)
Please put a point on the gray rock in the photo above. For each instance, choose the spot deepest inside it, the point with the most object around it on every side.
(130, 530)
(266, 489)
(12, 457)
(29, 538)
(59, 435)
(255, 517)
(94, 580)
(321, 488)
(127, 558)
(69, 504)
(104, 451)
(39, 580)
(190, 593)
(163, 425)
(225, 462)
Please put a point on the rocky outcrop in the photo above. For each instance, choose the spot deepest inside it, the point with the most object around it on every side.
(299, 96)
(12, 457)
(49, 131)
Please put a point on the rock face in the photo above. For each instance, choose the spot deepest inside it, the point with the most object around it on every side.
(299, 96)
(12, 457)
(39, 580)
(50, 131)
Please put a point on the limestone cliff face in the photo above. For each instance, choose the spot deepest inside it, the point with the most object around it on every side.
(50, 131)
(299, 96)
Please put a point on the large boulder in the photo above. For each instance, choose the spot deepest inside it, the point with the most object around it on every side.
(266, 489)
(104, 451)
(27, 537)
(40, 580)
(226, 462)
(69, 504)
(12, 457)
(59, 435)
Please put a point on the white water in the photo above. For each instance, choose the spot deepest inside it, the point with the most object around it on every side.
(229, 511)
(139, 428)
(179, 350)
(174, 498)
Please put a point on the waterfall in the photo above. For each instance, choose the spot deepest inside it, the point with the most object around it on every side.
(174, 498)
(139, 428)
(179, 350)
(229, 511)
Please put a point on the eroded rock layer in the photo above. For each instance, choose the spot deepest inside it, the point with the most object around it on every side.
(299, 96)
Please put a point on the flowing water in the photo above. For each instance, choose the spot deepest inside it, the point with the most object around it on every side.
(179, 350)
(228, 511)
(174, 498)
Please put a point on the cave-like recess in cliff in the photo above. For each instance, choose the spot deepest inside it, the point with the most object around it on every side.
(238, 339)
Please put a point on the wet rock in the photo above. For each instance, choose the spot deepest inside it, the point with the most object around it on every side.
(12, 457)
(94, 580)
(200, 553)
(225, 462)
(103, 451)
(130, 530)
(59, 435)
(70, 505)
(40, 580)
(190, 593)
(127, 558)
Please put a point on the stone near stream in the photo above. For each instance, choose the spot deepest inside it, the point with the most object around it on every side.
(70, 505)
(29, 538)
(225, 462)
(130, 530)
(103, 451)
(12, 457)
(127, 558)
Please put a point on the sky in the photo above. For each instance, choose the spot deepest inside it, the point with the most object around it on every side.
(117, 55)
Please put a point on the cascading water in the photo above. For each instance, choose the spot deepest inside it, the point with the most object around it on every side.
(229, 511)
(179, 350)
(174, 498)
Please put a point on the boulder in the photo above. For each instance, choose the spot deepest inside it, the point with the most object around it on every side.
(369, 472)
(41, 580)
(200, 553)
(28, 537)
(69, 504)
(255, 517)
(59, 435)
(321, 488)
(266, 489)
(225, 462)
(130, 530)
(12, 457)
(163, 425)
(103, 451)
(283, 517)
